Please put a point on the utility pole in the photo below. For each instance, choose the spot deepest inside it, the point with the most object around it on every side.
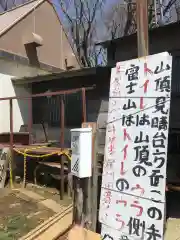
(142, 27)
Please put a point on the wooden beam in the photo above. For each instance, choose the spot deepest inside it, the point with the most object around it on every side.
(79, 233)
(45, 226)
(142, 27)
(92, 183)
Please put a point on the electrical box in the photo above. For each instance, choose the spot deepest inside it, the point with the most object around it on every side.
(81, 145)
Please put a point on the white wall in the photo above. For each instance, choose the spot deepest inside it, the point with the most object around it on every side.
(20, 107)
(8, 70)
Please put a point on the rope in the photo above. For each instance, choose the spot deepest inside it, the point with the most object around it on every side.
(59, 153)
(25, 155)
(10, 170)
(25, 169)
(25, 163)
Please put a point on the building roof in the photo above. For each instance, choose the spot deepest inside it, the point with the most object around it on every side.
(164, 28)
(13, 16)
(63, 75)
(9, 18)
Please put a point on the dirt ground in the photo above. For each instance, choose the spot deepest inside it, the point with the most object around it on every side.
(172, 231)
(19, 214)
(51, 193)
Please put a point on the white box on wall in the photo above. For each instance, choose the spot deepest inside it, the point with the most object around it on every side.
(81, 145)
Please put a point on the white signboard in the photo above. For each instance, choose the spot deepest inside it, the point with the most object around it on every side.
(3, 166)
(137, 135)
(108, 233)
(138, 218)
(136, 150)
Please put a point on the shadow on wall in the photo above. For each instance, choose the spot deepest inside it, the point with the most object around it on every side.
(32, 55)
(20, 111)
(22, 106)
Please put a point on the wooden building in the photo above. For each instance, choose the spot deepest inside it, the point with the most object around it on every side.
(32, 42)
(97, 99)
(48, 110)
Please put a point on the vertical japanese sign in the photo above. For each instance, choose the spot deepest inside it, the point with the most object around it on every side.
(134, 172)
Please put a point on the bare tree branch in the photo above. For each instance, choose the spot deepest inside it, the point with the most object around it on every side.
(168, 6)
(81, 17)
(177, 9)
(8, 4)
(118, 28)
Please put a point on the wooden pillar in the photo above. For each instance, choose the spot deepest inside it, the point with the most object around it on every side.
(142, 27)
(63, 157)
(91, 184)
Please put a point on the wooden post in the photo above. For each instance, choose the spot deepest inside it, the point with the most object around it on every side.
(92, 184)
(78, 215)
(12, 165)
(85, 191)
(63, 157)
(70, 181)
(95, 187)
(142, 27)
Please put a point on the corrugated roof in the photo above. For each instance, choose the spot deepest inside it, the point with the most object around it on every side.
(63, 74)
(9, 18)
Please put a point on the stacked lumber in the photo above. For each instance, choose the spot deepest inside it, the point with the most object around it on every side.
(53, 227)
(80, 233)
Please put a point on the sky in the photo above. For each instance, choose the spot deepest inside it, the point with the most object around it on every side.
(101, 36)
(10, 3)
(101, 29)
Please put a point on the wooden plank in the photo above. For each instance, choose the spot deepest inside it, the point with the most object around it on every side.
(102, 120)
(63, 159)
(172, 229)
(78, 201)
(70, 179)
(39, 230)
(57, 229)
(91, 201)
(104, 105)
(101, 136)
(92, 125)
(88, 193)
(18, 138)
(40, 132)
(97, 105)
(95, 184)
(77, 232)
(101, 149)
(53, 165)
